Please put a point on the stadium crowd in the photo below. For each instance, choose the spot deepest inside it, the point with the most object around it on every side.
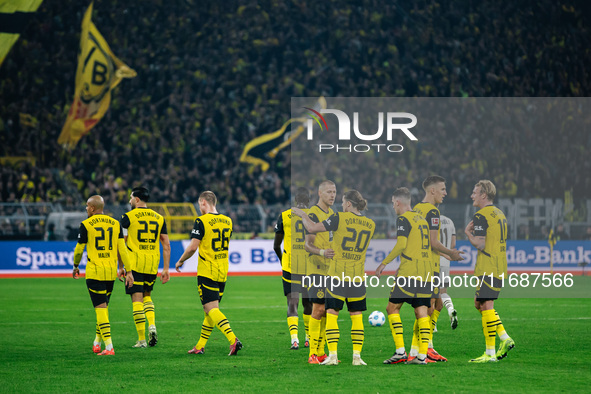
(212, 76)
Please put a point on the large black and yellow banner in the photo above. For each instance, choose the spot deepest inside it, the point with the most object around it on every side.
(14, 18)
(265, 147)
(99, 71)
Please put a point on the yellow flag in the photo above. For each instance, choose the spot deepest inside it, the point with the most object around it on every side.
(267, 146)
(552, 238)
(99, 71)
(14, 17)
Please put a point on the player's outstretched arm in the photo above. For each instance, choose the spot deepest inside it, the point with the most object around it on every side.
(453, 254)
(190, 251)
(78, 251)
(165, 276)
(310, 225)
(401, 243)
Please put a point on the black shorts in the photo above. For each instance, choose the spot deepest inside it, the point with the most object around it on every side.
(141, 283)
(209, 289)
(99, 290)
(315, 285)
(292, 283)
(487, 291)
(415, 294)
(350, 293)
(305, 293)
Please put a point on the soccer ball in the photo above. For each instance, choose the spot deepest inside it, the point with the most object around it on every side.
(377, 318)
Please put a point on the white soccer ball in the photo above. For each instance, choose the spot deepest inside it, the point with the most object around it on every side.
(377, 318)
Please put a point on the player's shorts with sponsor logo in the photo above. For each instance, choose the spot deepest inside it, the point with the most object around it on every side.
(315, 287)
(415, 293)
(209, 289)
(99, 290)
(141, 283)
(351, 293)
(487, 290)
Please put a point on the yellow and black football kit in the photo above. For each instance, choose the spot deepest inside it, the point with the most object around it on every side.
(351, 236)
(415, 274)
(144, 227)
(214, 231)
(431, 214)
(317, 266)
(293, 258)
(103, 238)
(490, 222)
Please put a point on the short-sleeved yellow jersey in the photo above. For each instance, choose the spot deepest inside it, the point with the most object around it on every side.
(103, 236)
(214, 231)
(144, 227)
(431, 214)
(293, 259)
(352, 234)
(490, 222)
(318, 264)
(416, 259)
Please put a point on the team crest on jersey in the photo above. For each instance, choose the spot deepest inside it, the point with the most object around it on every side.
(320, 294)
(434, 221)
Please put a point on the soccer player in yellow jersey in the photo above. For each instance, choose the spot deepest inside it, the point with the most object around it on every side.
(435, 192)
(416, 261)
(144, 230)
(211, 235)
(289, 229)
(318, 245)
(103, 239)
(352, 232)
(487, 232)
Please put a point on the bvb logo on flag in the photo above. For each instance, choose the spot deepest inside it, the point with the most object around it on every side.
(99, 71)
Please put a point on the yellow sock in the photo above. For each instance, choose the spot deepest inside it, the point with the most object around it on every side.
(434, 318)
(206, 329)
(222, 323)
(414, 348)
(322, 337)
(396, 328)
(149, 311)
(139, 319)
(307, 326)
(292, 323)
(489, 328)
(332, 332)
(500, 328)
(314, 331)
(97, 337)
(424, 331)
(357, 333)
(102, 319)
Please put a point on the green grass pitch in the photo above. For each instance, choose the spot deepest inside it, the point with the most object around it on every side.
(47, 327)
